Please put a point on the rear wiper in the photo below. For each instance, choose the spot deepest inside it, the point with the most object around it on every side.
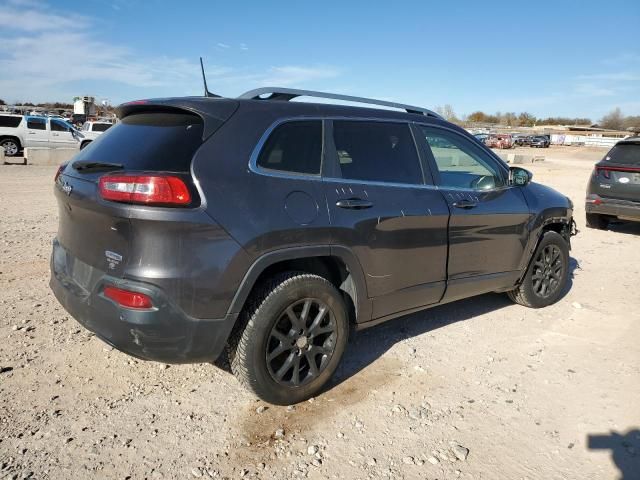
(87, 165)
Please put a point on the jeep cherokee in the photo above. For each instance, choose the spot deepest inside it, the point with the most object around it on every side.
(263, 230)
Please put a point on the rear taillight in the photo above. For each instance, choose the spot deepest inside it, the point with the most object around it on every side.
(604, 172)
(128, 299)
(593, 199)
(146, 189)
(59, 171)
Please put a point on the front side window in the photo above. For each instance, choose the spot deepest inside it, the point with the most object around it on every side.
(59, 126)
(460, 163)
(35, 123)
(294, 147)
(376, 151)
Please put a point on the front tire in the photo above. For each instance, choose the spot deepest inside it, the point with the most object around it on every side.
(599, 222)
(290, 338)
(547, 274)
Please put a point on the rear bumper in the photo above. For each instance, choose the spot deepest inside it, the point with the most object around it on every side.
(623, 209)
(163, 333)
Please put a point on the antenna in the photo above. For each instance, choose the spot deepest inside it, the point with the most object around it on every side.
(207, 93)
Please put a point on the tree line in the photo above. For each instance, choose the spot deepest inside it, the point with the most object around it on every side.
(614, 120)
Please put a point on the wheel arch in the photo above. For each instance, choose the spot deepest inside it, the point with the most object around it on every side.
(11, 137)
(337, 264)
(560, 225)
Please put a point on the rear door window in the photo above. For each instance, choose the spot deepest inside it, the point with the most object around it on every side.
(149, 141)
(101, 127)
(35, 123)
(625, 154)
(376, 152)
(294, 147)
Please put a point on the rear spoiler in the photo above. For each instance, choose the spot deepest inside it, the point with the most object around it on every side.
(214, 112)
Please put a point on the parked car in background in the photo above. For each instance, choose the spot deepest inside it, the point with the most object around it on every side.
(78, 119)
(499, 141)
(18, 132)
(481, 137)
(264, 230)
(92, 130)
(539, 141)
(613, 192)
(521, 140)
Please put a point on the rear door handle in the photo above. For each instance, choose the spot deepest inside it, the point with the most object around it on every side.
(354, 203)
(464, 204)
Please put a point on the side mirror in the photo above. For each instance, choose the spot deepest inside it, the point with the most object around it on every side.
(519, 177)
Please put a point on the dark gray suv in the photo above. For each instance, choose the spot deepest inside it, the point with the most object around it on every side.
(264, 230)
(613, 192)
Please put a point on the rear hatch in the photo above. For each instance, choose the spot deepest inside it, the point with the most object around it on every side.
(157, 139)
(617, 176)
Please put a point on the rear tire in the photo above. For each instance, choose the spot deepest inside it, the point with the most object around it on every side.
(547, 274)
(290, 338)
(597, 221)
(11, 147)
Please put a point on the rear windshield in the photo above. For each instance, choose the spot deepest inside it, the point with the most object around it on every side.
(624, 153)
(7, 121)
(149, 141)
(101, 127)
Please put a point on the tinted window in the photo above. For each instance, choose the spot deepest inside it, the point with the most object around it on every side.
(376, 151)
(625, 153)
(35, 123)
(461, 164)
(294, 147)
(7, 121)
(101, 127)
(59, 126)
(149, 141)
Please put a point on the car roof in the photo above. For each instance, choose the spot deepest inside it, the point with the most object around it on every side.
(634, 140)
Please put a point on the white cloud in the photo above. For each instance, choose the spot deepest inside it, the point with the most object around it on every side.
(593, 90)
(612, 77)
(49, 56)
(223, 45)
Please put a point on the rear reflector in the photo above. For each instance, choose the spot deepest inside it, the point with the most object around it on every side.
(128, 299)
(146, 189)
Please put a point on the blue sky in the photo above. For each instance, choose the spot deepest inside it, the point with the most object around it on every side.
(578, 58)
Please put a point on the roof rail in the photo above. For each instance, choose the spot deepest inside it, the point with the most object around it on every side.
(286, 94)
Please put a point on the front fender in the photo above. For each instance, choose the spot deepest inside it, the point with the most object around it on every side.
(549, 210)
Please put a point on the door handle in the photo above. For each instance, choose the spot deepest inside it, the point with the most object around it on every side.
(354, 203)
(55, 134)
(464, 204)
(31, 133)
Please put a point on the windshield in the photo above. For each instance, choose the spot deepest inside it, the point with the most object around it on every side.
(625, 153)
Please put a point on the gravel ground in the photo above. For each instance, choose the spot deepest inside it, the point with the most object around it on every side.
(479, 389)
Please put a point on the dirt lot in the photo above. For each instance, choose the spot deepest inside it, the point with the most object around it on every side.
(522, 390)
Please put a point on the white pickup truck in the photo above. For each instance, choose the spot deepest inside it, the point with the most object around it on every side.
(92, 130)
(18, 132)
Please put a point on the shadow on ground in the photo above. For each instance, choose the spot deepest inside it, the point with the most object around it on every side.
(629, 228)
(367, 346)
(625, 451)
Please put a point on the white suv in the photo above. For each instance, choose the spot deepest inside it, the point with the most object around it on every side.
(91, 131)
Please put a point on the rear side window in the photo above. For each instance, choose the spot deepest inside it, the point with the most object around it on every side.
(11, 122)
(35, 123)
(376, 151)
(294, 147)
(149, 141)
(625, 153)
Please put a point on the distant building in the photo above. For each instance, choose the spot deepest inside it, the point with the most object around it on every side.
(85, 105)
